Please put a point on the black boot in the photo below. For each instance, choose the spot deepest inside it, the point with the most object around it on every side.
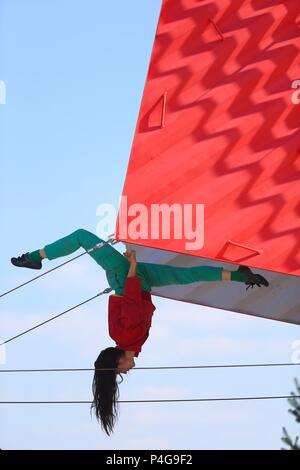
(253, 279)
(24, 262)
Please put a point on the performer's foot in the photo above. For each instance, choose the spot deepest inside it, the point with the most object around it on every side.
(24, 262)
(252, 279)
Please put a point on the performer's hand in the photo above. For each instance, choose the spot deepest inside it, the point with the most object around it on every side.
(130, 255)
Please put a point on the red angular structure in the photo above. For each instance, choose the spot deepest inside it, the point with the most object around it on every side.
(218, 126)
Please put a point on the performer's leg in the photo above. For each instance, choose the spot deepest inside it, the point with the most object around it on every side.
(163, 275)
(106, 256)
(115, 265)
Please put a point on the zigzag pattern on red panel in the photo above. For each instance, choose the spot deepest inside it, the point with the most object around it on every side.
(231, 137)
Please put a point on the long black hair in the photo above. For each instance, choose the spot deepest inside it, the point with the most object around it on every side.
(106, 388)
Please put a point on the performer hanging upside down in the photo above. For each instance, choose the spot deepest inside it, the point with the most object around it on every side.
(130, 309)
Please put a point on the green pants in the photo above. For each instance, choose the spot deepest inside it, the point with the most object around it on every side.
(116, 265)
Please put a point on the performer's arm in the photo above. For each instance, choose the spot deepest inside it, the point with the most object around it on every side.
(132, 313)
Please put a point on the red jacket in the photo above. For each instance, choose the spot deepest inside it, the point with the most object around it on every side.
(129, 316)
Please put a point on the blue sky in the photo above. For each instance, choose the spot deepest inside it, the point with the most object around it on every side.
(74, 74)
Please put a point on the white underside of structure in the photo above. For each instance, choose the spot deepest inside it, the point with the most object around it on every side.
(280, 301)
